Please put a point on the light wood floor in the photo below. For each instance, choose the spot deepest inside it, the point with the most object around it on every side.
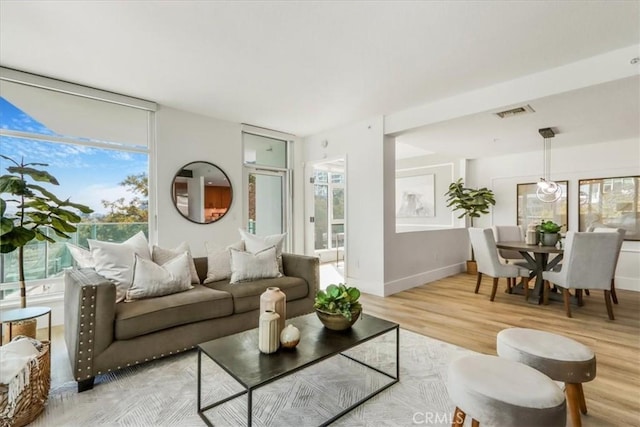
(448, 310)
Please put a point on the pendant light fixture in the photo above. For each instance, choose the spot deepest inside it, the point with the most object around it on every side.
(548, 191)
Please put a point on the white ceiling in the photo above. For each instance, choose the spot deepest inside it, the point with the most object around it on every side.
(605, 112)
(302, 67)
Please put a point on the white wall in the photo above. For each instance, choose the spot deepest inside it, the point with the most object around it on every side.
(361, 144)
(445, 170)
(181, 138)
(414, 258)
(606, 159)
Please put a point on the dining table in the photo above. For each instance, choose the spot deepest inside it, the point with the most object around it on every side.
(537, 264)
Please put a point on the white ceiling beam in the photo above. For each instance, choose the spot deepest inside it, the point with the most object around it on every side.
(613, 65)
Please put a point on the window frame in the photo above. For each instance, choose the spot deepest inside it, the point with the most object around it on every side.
(45, 83)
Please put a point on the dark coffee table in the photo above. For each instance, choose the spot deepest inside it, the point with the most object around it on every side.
(239, 356)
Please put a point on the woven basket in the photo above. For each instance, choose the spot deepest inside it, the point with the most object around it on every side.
(23, 327)
(30, 402)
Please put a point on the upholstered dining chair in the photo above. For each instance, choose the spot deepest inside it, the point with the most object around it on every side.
(589, 263)
(598, 228)
(486, 252)
(509, 233)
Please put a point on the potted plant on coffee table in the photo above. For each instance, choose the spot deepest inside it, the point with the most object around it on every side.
(337, 307)
(473, 203)
(27, 210)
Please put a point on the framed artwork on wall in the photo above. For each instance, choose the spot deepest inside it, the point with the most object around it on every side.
(613, 202)
(533, 210)
(415, 196)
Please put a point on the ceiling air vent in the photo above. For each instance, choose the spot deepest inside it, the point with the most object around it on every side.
(525, 109)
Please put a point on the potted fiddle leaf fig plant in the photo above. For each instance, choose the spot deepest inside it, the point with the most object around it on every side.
(338, 307)
(27, 210)
(473, 202)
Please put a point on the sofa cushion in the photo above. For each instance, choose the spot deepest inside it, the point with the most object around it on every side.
(255, 244)
(115, 261)
(246, 266)
(161, 255)
(219, 261)
(81, 256)
(151, 280)
(154, 314)
(246, 295)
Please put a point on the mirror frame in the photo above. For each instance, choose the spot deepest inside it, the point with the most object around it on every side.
(174, 197)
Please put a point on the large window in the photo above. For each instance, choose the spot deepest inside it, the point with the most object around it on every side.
(96, 144)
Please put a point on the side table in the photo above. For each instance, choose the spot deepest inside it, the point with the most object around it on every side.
(19, 314)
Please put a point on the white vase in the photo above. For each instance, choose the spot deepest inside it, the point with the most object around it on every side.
(290, 336)
(275, 300)
(268, 332)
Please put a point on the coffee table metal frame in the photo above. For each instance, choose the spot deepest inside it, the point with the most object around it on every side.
(249, 389)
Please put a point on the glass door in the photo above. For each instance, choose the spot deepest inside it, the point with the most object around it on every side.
(266, 202)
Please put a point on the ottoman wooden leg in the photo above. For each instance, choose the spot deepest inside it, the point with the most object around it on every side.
(583, 403)
(458, 418)
(573, 403)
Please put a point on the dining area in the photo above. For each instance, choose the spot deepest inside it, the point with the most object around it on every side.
(579, 264)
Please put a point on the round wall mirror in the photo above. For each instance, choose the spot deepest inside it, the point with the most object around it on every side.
(201, 192)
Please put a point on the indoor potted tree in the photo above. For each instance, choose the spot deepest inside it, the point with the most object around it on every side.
(473, 203)
(338, 307)
(27, 210)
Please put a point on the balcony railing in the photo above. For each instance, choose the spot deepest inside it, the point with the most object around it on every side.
(43, 260)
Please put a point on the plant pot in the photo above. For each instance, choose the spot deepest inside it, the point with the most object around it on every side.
(472, 267)
(336, 321)
(549, 239)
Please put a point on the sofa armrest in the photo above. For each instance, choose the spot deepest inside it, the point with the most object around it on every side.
(303, 266)
(89, 315)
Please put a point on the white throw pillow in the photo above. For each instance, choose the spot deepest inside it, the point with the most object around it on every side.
(247, 266)
(255, 244)
(160, 256)
(153, 280)
(219, 261)
(81, 256)
(115, 261)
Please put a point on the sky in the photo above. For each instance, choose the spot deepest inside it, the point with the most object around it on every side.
(86, 175)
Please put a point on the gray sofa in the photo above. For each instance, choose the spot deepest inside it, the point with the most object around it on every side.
(103, 336)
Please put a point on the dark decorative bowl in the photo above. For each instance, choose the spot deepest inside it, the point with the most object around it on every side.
(336, 321)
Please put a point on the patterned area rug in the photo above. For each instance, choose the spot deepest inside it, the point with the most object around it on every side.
(163, 393)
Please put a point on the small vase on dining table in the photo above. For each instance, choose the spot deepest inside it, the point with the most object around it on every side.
(549, 239)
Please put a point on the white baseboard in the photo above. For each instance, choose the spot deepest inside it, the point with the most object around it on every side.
(628, 283)
(409, 282)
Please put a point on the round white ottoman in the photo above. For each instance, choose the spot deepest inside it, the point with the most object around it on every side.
(558, 357)
(498, 392)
